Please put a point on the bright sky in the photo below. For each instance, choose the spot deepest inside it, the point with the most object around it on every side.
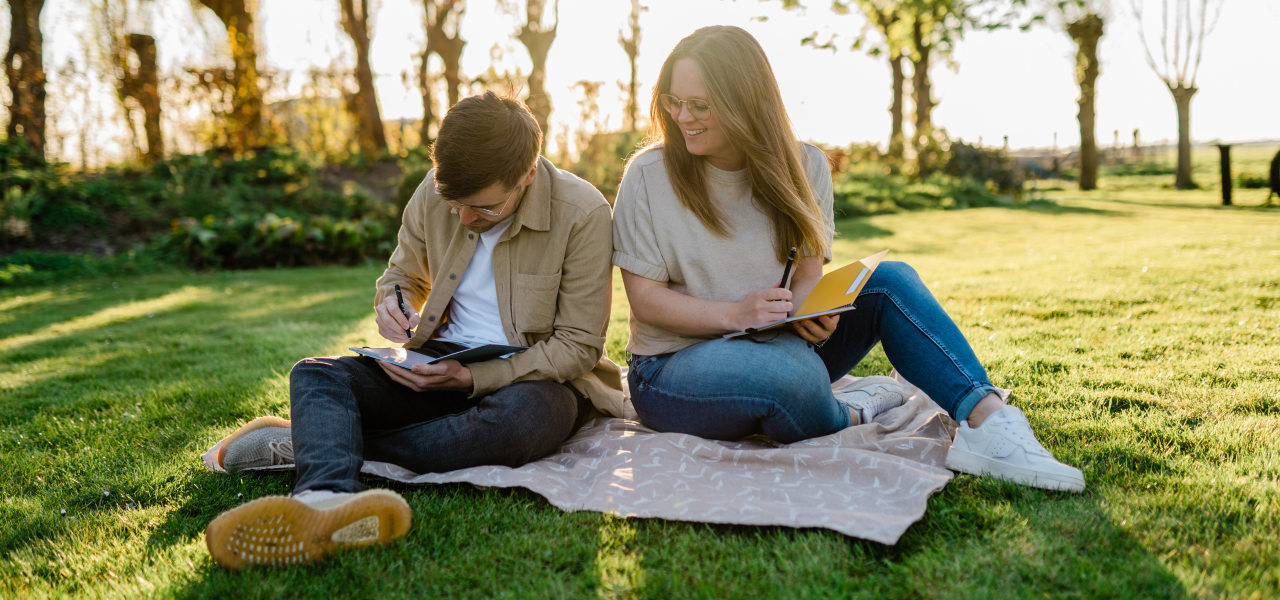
(1009, 83)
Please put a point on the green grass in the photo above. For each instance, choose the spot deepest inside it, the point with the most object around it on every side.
(1138, 329)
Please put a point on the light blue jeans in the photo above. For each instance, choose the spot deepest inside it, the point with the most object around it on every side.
(780, 385)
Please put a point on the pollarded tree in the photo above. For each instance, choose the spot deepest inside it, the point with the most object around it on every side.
(24, 66)
(130, 58)
(143, 85)
(537, 36)
(443, 22)
(1084, 21)
(363, 103)
(246, 97)
(631, 45)
(1182, 36)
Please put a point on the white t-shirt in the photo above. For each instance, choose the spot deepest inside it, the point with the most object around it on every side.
(474, 319)
(656, 237)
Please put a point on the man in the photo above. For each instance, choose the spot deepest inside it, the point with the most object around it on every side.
(497, 247)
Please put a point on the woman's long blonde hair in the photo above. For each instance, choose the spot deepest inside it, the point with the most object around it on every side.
(748, 105)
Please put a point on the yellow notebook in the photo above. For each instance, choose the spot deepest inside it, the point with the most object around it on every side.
(833, 295)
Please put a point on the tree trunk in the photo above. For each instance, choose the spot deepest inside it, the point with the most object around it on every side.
(143, 85)
(246, 99)
(24, 66)
(363, 104)
(631, 45)
(1086, 32)
(921, 92)
(538, 41)
(922, 95)
(896, 109)
(447, 47)
(424, 88)
(1182, 97)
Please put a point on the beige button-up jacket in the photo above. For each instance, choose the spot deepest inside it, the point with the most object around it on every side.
(553, 275)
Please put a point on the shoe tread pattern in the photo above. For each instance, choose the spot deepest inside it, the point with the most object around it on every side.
(282, 531)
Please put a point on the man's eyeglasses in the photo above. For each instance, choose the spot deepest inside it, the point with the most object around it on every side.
(484, 211)
(697, 106)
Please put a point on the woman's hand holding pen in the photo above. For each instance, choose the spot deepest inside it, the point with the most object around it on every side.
(392, 323)
(760, 308)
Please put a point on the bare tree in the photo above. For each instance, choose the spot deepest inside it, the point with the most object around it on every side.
(246, 97)
(1084, 21)
(446, 45)
(143, 85)
(24, 66)
(537, 38)
(443, 22)
(631, 45)
(1182, 33)
(363, 103)
(137, 81)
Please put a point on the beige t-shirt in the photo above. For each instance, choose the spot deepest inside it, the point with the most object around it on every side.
(655, 237)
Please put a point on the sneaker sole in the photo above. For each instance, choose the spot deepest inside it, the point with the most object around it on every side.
(976, 464)
(280, 530)
(257, 423)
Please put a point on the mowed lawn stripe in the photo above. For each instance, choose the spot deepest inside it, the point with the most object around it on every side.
(1137, 328)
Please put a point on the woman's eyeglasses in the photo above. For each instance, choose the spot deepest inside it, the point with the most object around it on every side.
(697, 106)
(484, 211)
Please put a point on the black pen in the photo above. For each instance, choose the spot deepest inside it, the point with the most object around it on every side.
(400, 299)
(791, 259)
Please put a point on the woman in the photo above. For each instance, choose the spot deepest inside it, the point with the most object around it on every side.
(703, 224)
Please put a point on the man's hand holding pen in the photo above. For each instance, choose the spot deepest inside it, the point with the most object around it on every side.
(393, 324)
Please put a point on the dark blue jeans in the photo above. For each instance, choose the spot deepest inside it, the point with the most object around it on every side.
(346, 409)
(779, 385)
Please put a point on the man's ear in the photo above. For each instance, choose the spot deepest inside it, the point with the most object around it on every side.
(528, 179)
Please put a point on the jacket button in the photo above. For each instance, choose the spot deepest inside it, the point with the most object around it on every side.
(431, 318)
(471, 236)
(452, 276)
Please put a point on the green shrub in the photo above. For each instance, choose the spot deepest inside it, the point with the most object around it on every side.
(984, 164)
(860, 195)
(1143, 168)
(273, 241)
(1250, 181)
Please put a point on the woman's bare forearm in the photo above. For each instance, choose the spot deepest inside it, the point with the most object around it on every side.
(656, 304)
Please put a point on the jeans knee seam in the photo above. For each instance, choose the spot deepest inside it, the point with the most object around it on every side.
(910, 317)
(352, 408)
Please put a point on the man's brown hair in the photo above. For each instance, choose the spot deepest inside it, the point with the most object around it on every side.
(484, 140)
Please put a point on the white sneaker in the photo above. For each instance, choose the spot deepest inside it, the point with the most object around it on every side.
(870, 396)
(280, 530)
(262, 442)
(1005, 447)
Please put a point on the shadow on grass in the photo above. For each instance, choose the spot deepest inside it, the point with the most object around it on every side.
(857, 228)
(979, 538)
(1274, 209)
(1049, 207)
(143, 396)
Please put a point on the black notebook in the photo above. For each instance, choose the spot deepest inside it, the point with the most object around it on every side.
(407, 358)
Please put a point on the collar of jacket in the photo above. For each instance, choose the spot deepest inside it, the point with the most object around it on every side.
(534, 211)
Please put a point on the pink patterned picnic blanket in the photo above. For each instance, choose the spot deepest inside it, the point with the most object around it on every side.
(871, 481)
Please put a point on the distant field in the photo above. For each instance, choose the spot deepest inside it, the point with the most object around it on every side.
(1206, 170)
(1137, 328)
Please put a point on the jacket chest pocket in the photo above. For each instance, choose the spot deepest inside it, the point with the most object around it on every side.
(534, 302)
